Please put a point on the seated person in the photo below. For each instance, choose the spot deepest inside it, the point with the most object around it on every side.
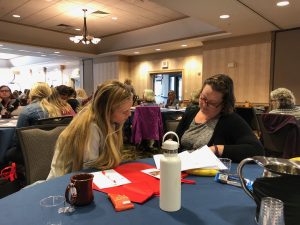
(8, 104)
(216, 125)
(194, 101)
(94, 137)
(149, 98)
(171, 101)
(283, 102)
(34, 111)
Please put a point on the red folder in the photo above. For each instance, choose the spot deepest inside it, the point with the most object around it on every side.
(142, 186)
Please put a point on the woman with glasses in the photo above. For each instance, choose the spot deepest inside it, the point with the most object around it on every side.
(216, 125)
(8, 103)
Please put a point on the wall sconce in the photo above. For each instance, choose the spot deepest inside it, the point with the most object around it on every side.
(232, 65)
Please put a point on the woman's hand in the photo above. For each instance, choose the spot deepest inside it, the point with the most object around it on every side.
(217, 149)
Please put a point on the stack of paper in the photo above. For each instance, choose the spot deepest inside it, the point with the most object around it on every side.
(200, 158)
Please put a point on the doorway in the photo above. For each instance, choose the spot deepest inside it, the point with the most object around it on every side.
(165, 81)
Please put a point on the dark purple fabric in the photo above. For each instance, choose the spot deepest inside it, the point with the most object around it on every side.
(275, 122)
(147, 124)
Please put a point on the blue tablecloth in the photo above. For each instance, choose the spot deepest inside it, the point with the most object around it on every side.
(6, 140)
(207, 202)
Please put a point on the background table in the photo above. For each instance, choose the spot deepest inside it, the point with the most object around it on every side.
(7, 132)
(205, 203)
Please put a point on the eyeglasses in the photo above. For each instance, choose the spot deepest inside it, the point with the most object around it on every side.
(4, 91)
(207, 103)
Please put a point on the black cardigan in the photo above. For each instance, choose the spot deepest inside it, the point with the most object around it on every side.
(231, 131)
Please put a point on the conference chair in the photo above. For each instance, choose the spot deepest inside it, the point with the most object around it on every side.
(280, 135)
(147, 124)
(37, 145)
(55, 120)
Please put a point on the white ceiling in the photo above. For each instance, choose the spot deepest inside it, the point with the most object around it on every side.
(142, 25)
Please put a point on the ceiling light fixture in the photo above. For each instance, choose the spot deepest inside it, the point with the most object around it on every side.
(85, 38)
(224, 16)
(283, 3)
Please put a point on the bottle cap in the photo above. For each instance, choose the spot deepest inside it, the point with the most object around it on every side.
(170, 145)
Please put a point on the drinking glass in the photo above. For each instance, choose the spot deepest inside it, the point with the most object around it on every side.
(271, 212)
(51, 209)
(227, 163)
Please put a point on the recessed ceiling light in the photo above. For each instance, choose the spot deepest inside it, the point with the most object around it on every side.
(225, 16)
(77, 29)
(43, 55)
(56, 52)
(114, 18)
(158, 49)
(183, 45)
(136, 52)
(16, 16)
(282, 3)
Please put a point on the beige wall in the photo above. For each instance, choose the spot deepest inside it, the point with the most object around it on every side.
(189, 61)
(247, 60)
(110, 67)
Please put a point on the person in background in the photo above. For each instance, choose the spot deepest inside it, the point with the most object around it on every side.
(33, 111)
(172, 101)
(94, 137)
(72, 101)
(82, 97)
(216, 125)
(7, 102)
(149, 98)
(194, 101)
(129, 85)
(55, 106)
(283, 102)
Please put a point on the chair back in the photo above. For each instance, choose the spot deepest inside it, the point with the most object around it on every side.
(249, 115)
(147, 124)
(171, 125)
(280, 135)
(37, 145)
(55, 120)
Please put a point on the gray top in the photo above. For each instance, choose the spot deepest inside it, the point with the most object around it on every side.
(294, 112)
(198, 135)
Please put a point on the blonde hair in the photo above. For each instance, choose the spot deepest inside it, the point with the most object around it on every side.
(39, 91)
(74, 138)
(149, 95)
(80, 93)
(54, 105)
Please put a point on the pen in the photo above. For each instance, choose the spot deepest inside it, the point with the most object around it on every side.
(108, 177)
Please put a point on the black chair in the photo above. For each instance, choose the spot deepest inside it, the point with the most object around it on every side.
(37, 145)
(55, 120)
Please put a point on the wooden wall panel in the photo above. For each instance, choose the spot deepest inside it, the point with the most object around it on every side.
(247, 65)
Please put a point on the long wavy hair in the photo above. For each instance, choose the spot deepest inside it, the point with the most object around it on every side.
(54, 105)
(74, 138)
(39, 91)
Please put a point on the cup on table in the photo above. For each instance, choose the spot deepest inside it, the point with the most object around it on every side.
(227, 163)
(79, 192)
(50, 209)
(271, 212)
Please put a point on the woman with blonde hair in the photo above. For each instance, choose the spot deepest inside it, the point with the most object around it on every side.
(149, 98)
(94, 137)
(55, 106)
(34, 111)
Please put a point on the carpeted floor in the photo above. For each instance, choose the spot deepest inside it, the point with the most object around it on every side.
(132, 152)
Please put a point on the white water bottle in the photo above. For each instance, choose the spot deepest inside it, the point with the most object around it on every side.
(170, 176)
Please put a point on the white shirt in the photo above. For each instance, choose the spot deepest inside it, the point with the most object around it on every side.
(91, 152)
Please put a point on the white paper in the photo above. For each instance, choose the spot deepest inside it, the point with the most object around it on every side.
(109, 178)
(152, 172)
(200, 158)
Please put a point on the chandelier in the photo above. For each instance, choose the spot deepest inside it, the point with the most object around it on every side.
(85, 38)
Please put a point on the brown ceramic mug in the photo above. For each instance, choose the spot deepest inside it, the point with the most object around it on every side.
(79, 192)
